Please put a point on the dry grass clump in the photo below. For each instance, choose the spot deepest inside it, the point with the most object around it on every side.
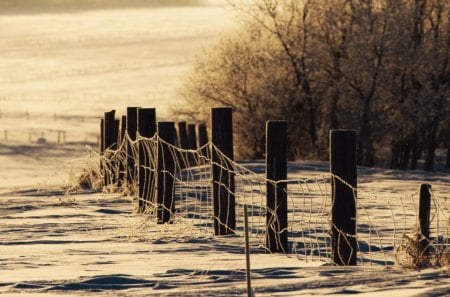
(89, 179)
(418, 252)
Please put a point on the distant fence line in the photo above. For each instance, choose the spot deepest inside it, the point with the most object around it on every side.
(46, 134)
(52, 136)
(176, 173)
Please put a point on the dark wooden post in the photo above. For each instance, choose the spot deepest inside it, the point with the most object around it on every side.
(123, 128)
(192, 136)
(203, 140)
(424, 217)
(165, 173)
(202, 135)
(102, 136)
(276, 194)
(110, 126)
(343, 212)
(223, 175)
(117, 132)
(121, 144)
(110, 144)
(131, 155)
(182, 135)
(146, 128)
(183, 144)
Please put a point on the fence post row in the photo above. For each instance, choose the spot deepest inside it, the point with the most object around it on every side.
(276, 194)
(223, 175)
(165, 199)
(424, 217)
(343, 211)
(146, 128)
(131, 131)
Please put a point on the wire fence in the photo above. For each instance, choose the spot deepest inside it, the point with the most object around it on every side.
(385, 223)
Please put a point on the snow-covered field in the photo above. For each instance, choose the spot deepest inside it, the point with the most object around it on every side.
(87, 244)
(61, 72)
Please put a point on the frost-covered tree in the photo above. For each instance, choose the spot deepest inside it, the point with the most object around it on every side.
(378, 66)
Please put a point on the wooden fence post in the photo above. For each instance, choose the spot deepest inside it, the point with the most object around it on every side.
(203, 140)
(165, 198)
(146, 128)
(223, 175)
(276, 194)
(182, 135)
(110, 144)
(202, 134)
(424, 217)
(183, 144)
(131, 155)
(192, 136)
(343, 181)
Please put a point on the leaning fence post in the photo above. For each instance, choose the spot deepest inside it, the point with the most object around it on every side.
(424, 217)
(343, 181)
(165, 199)
(146, 128)
(276, 194)
(131, 155)
(222, 169)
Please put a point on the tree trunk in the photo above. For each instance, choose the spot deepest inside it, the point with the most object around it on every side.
(395, 151)
(405, 155)
(416, 153)
(334, 124)
(313, 131)
(447, 164)
(365, 148)
(430, 148)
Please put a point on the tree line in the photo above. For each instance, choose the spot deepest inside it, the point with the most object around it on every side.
(378, 66)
